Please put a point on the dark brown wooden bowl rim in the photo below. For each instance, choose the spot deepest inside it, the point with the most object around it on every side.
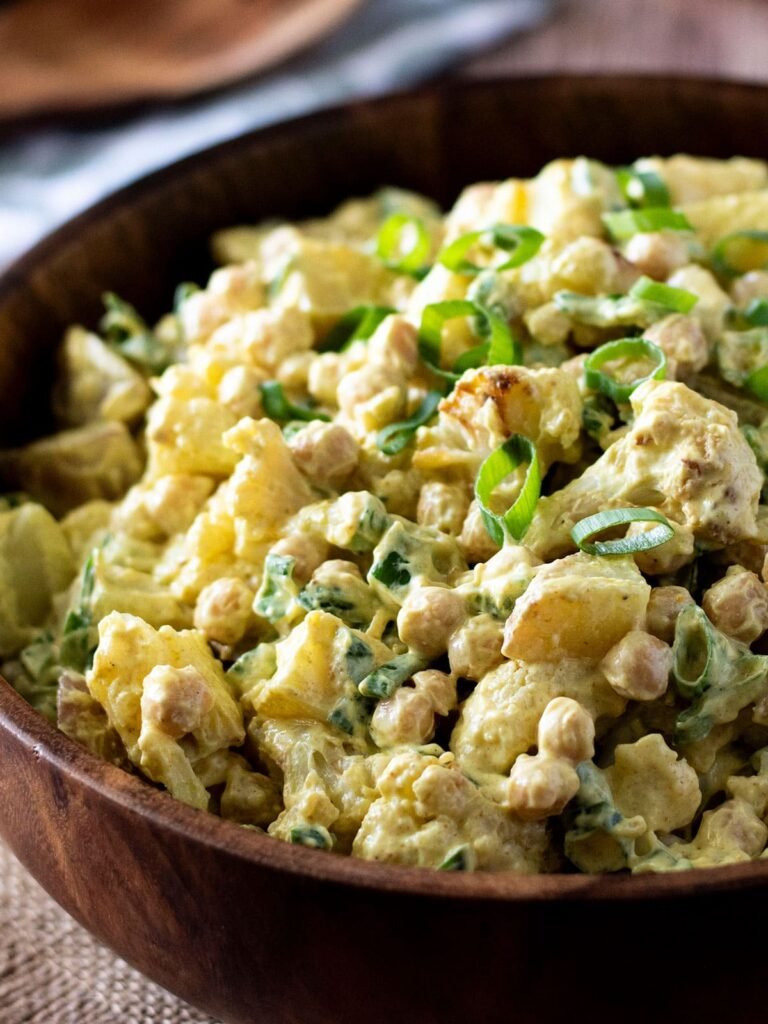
(46, 743)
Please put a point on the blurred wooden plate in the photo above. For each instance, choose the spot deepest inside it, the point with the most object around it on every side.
(73, 55)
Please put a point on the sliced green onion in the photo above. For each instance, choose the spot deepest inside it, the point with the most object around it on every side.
(387, 678)
(677, 299)
(523, 242)
(460, 859)
(757, 383)
(279, 408)
(626, 223)
(316, 837)
(592, 525)
(642, 188)
(622, 348)
(727, 250)
(356, 325)
(391, 244)
(499, 464)
(395, 436)
(500, 348)
(756, 313)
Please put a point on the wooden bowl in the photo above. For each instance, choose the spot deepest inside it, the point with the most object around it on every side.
(253, 930)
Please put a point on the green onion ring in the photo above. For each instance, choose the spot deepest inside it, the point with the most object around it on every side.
(500, 349)
(679, 300)
(588, 527)
(719, 256)
(632, 348)
(395, 436)
(642, 188)
(500, 463)
(389, 245)
(522, 241)
(279, 408)
(626, 223)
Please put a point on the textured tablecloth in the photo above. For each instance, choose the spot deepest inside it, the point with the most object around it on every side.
(51, 970)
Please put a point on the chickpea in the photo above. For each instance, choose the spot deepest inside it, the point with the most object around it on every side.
(325, 372)
(223, 610)
(395, 343)
(307, 550)
(293, 370)
(475, 648)
(638, 666)
(749, 286)
(408, 716)
(664, 606)
(239, 391)
(566, 731)
(657, 253)
(176, 700)
(668, 557)
(540, 786)
(325, 452)
(682, 341)
(474, 540)
(548, 324)
(442, 506)
(738, 605)
(428, 617)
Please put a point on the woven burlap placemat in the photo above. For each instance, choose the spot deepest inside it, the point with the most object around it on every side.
(53, 972)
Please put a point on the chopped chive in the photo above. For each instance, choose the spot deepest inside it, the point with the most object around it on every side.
(356, 325)
(392, 240)
(756, 313)
(499, 464)
(622, 348)
(521, 241)
(587, 528)
(626, 223)
(387, 678)
(642, 188)
(725, 256)
(279, 408)
(316, 837)
(182, 293)
(500, 348)
(677, 299)
(396, 436)
(460, 859)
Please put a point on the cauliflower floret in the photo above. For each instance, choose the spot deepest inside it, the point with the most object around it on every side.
(263, 338)
(648, 778)
(327, 784)
(500, 719)
(683, 455)
(166, 696)
(493, 402)
(428, 814)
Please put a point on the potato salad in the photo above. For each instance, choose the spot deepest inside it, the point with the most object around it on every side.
(434, 539)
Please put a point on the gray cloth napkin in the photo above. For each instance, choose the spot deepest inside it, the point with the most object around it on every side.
(48, 175)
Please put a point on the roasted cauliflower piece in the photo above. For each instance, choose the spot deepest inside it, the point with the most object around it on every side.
(684, 455)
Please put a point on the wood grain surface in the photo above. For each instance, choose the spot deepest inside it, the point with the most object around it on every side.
(714, 37)
(73, 54)
(261, 932)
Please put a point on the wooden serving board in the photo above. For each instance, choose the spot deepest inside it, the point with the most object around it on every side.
(66, 55)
